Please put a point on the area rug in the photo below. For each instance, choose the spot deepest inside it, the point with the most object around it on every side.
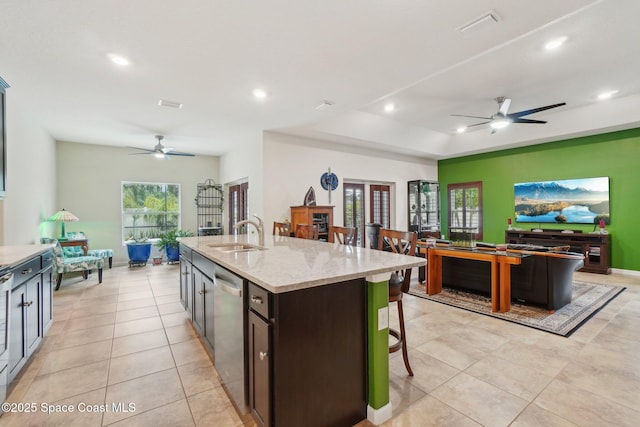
(587, 299)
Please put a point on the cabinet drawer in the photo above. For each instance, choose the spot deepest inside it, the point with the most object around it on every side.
(259, 301)
(47, 259)
(205, 265)
(27, 270)
(185, 252)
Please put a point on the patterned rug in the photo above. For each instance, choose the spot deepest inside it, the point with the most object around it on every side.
(587, 299)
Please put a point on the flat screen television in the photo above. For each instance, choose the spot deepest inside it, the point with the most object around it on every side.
(572, 201)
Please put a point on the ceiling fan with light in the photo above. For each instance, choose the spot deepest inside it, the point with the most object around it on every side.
(502, 118)
(160, 151)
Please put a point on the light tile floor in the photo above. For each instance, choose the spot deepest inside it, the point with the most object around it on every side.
(127, 342)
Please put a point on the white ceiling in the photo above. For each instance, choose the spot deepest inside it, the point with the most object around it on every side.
(359, 54)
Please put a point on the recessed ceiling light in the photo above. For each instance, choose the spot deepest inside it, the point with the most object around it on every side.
(607, 95)
(389, 107)
(461, 129)
(556, 43)
(170, 104)
(119, 60)
(259, 93)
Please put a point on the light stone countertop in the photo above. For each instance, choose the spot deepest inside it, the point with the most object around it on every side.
(288, 263)
(10, 256)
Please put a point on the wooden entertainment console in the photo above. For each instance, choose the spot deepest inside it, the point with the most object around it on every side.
(596, 247)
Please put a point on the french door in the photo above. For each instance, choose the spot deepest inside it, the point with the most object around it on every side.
(380, 209)
(238, 206)
(353, 195)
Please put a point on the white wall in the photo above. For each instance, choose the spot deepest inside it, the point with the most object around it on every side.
(89, 185)
(31, 177)
(293, 164)
(245, 165)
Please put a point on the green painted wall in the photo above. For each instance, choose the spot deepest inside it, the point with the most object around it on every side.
(616, 155)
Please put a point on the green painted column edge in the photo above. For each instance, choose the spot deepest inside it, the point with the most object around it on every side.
(378, 344)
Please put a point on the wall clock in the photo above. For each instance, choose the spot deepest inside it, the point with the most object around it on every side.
(329, 180)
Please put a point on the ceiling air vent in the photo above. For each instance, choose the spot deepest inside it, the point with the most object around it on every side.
(481, 22)
(324, 105)
(172, 104)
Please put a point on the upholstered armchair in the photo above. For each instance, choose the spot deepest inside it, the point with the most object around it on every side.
(77, 251)
(63, 264)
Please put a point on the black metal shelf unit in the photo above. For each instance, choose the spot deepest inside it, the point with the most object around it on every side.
(209, 203)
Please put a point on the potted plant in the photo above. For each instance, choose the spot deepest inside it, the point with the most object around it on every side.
(169, 241)
(139, 250)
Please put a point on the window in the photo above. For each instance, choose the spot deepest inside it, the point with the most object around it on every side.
(380, 199)
(465, 209)
(354, 209)
(149, 209)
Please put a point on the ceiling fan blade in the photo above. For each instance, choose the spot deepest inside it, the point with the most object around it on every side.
(504, 106)
(518, 120)
(534, 110)
(178, 153)
(473, 117)
(479, 124)
(142, 149)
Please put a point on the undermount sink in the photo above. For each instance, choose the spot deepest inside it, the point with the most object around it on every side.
(236, 247)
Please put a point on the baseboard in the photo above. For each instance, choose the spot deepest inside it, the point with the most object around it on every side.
(634, 273)
(379, 416)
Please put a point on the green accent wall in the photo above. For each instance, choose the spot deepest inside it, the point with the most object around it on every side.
(616, 155)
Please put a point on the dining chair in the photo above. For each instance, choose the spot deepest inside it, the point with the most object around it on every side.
(306, 231)
(281, 228)
(342, 235)
(401, 242)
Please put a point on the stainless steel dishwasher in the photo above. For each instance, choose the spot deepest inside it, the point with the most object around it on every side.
(229, 335)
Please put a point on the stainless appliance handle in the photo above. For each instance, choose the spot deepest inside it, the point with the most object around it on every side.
(227, 287)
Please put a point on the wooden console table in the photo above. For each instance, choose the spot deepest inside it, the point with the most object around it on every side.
(500, 272)
(84, 243)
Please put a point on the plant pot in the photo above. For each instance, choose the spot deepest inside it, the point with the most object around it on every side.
(173, 253)
(138, 253)
(157, 260)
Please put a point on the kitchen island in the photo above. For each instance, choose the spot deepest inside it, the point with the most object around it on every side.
(310, 321)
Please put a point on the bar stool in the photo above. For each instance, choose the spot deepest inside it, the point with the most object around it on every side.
(342, 235)
(401, 242)
(281, 228)
(305, 231)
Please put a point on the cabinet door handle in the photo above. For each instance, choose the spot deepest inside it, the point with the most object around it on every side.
(202, 292)
(256, 300)
(27, 271)
(262, 355)
(26, 304)
(185, 273)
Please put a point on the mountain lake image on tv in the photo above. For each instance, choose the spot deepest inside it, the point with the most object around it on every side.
(574, 201)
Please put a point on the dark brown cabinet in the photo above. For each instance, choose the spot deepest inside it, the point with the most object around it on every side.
(307, 355)
(259, 349)
(595, 247)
